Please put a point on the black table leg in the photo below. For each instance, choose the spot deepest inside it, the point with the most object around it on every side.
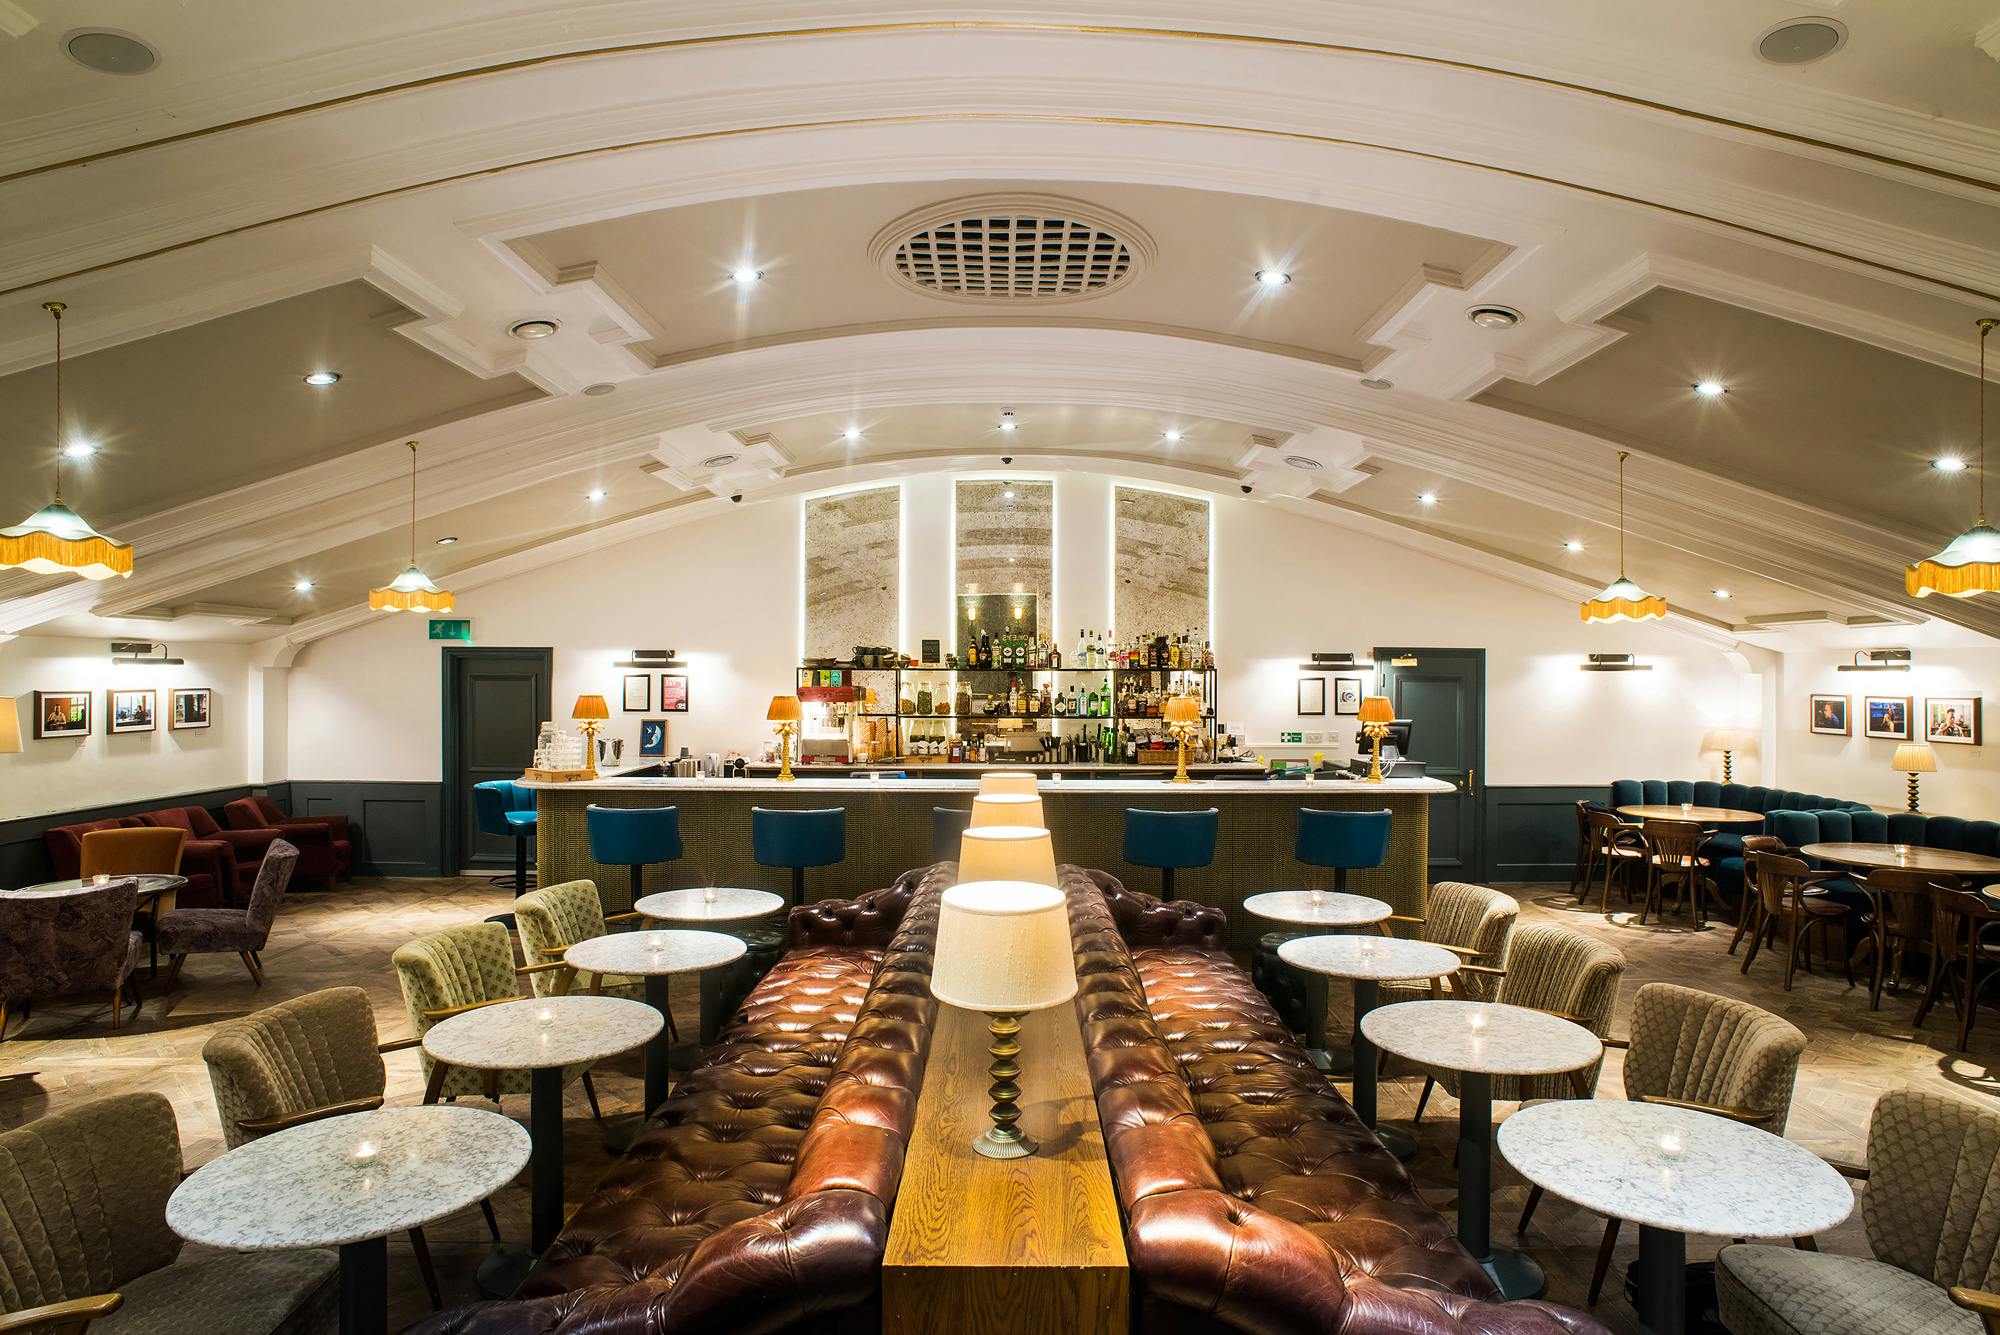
(1366, 992)
(545, 1127)
(1662, 1281)
(1517, 1275)
(658, 1049)
(712, 982)
(364, 1287)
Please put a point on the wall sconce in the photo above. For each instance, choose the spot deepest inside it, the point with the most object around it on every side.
(651, 658)
(1613, 663)
(1877, 660)
(147, 653)
(1341, 662)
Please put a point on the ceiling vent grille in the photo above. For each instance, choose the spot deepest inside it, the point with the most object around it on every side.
(1012, 249)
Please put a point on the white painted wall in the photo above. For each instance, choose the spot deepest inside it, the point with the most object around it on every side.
(103, 770)
(724, 592)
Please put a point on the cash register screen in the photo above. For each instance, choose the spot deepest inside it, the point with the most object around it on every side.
(1395, 742)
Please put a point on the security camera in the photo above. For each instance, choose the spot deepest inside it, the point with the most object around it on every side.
(1006, 458)
(736, 499)
(1247, 488)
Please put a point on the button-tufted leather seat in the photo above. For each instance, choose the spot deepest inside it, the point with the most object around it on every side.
(758, 1199)
(1255, 1199)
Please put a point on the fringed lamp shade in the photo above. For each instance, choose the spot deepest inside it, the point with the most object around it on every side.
(1971, 563)
(1377, 709)
(55, 540)
(1914, 758)
(1622, 600)
(1182, 709)
(411, 591)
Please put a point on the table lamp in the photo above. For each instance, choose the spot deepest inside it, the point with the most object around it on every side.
(1376, 716)
(1008, 809)
(997, 781)
(1728, 741)
(1183, 717)
(590, 711)
(785, 714)
(1914, 758)
(10, 726)
(1003, 948)
(1007, 853)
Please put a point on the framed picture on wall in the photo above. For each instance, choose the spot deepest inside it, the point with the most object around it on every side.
(134, 711)
(673, 694)
(62, 714)
(639, 693)
(190, 707)
(1952, 718)
(1347, 695)
(1312, 695)
(1829, 716)
(652, 737)
(1886, 716)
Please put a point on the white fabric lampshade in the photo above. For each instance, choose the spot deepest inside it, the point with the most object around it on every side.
(1003, 947)
(1007, 853)
(10, 725)
(1915, 758)
(1007, 809)
(1019, 781)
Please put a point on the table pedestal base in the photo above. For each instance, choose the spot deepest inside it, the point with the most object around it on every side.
(364, 1287)
(502, 1272)
(1398, 1142)
(1333, 1061)
(1515, 1272)
(1517, 1276)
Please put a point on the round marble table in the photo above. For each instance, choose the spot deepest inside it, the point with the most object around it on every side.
(1479, 1040)
(729, 904)
(656, 956)
(1700, 815)
(305, 1187)
(151, 886)
(1369, 961)
(1673, 1172)
(541, 1035)
(1913, 857)
(1322, 909)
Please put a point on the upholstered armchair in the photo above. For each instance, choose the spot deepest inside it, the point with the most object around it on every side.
(1931, 1218)
(85, 1234)
(326, 848)
(1553, 969)
(244, 849)
(1472, 922)
(556, 917)
(209, 864)
(1707, 1053)
(299, 1061)
(456, 970)
(52, 945)
(185, 932)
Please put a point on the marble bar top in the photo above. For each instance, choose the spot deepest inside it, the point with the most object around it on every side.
(1286, 789)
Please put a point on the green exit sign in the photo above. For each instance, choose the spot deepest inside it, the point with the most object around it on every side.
(1293, 738)
(451, 628)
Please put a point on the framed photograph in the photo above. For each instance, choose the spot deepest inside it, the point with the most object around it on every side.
(1829, 716)
(134, 711)
(674, 694)
(1886, 716)
(1952, 718)
(62, 714)
(1312, 695)
(652, 738)
(639, 693)
(190, 708)
(1347, 695)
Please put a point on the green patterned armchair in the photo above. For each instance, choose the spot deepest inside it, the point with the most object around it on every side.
(1472, 922)
(556, 917)
(1932, 1218)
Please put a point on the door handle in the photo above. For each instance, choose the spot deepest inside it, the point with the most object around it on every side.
(1470, 775)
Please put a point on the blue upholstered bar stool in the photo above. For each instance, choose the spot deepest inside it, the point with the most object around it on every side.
(1170, 840)
(947, 824)
(1343, 841)
(636, 837)
(798, 839)
(507, 812)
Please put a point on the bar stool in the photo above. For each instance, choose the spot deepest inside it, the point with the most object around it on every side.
(636, 837)
(947, 824)
(798, 839)
(497, 805)
(1170, 840)
(1343, 841)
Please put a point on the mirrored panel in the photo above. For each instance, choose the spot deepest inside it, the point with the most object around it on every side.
(1005, 545)
(1160, 560)
(853, 571)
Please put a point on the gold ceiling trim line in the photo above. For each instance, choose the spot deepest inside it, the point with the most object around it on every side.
(1013, 117)
(997, 25)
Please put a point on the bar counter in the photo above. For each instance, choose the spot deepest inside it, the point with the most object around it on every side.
(889, 831)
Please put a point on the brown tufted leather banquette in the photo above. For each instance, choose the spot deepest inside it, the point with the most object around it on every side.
(1255, 1199)
(759, 1199)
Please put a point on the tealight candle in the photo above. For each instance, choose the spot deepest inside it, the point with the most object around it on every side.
(1055, 778)
(874, 773)
(1476, 1022)
(1367, 945)
(1318, 898)
(1687, 808)
(656, 941)
(708, 894)
(100, 879)
(364, 1154)
(545, 1017)
(1672, 1142)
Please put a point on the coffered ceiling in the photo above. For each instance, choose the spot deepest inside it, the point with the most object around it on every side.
(388, 195)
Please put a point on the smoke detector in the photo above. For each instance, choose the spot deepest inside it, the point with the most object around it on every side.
(1494, 317)
(544, 327)
(1802, 41)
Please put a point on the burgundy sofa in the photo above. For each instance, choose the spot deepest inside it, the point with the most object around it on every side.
(208, 864)
(326, 849)
(247, 847)
(1256, 1202)
(757, 1200)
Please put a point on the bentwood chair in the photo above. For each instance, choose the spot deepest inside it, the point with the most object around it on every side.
(1673, 857)
(1473, 923)
(1747, 904)
(1615, 849)
(1967, 954)
(185, 932)
(85, 1235)
(1705, 1053)
(1786, 904)
(53, 945)
(303, 1060)
(1904, 917)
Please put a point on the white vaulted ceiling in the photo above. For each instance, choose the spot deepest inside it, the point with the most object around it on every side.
(385, 196)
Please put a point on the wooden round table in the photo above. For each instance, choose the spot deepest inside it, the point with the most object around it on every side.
(1702, 815)
(1913, 857)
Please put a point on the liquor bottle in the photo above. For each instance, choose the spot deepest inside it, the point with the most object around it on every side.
(1046, 709)
(1061, 705)
(1092, 704)
(985, 650)
(1055, 655)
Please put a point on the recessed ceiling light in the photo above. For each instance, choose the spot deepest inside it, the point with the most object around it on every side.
(1304, 463)
(541, 327)
(852, 433)
(323, 378)
(1572, 546)
(1494, 317)
(1376, 382)
(446, 542)
(1948, 463)
(83, 449)
(594, 494)
(109, 51)
(303, 586)
(1802, 41)
(1273, 277)
(1720, 593)
(1427, 498)
(718, 461)
(1007, 422)
(599, 389)
(746, 276)
(1710, 389)
(1171, 436)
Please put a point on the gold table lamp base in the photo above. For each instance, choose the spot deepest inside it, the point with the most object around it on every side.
(1913, 791)
(589, 729)
(785, 774)
(1004, 1139)
(1375, 733)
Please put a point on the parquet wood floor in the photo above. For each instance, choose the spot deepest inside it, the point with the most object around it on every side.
(65, 1052)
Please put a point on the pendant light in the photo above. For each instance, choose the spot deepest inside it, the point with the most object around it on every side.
(411, 591)
(1971, 563)
(1622, 600)
(55, 540)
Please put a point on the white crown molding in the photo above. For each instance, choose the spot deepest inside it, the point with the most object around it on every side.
(16, 22)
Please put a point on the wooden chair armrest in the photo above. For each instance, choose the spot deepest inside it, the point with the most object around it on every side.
(628, 916)
(1752, 1116)
(450, 1011)
(1486, 969)
(551, 952)
(399, 1045)
(264, 1126)
(1463, 952)
(1571, 1016)
(1404, 917)
(1987, 1305)
(1610, 1042)
(68, 1318)
(541, 968)
(1859, 1172)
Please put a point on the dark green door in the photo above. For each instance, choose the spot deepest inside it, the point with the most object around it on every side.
(495, 701)
(1444, 696)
